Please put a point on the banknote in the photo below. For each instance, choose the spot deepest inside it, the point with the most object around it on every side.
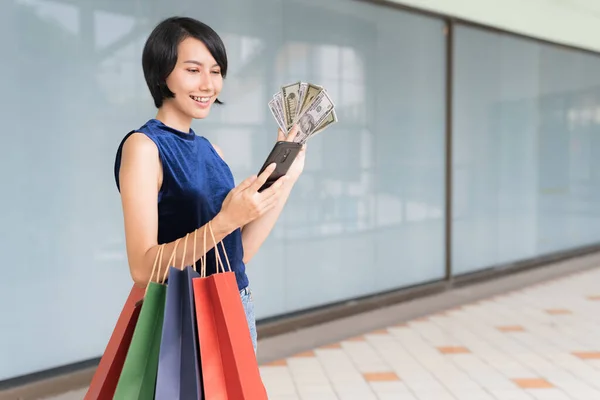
(276, 115)
(290, 95)
(312, 91)
(279, 107)
(301, 95)
(328, 121)
(305, 104)
(313, 116)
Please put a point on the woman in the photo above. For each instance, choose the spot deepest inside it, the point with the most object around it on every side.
(173, 182)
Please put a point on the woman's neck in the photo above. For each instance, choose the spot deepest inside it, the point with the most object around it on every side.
(173, 118)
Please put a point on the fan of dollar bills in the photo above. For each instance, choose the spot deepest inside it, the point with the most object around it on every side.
(307, 105)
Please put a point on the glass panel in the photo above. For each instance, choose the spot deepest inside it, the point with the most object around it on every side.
(525, 127)
(366, 216)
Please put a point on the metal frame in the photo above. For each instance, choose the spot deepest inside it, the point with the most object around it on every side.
(448, 164)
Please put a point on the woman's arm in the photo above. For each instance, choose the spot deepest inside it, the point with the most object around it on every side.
(256, 232)
(140, 178)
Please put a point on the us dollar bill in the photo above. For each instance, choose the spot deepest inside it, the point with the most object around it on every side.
(329, 120)
(305, 104)
(290, 103)
(279, 107)
(312, 91)
(275, 112)
(301, 96)
(314, 115)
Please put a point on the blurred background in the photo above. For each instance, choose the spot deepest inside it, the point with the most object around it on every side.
(468, 140)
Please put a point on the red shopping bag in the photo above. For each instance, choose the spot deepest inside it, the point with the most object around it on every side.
(107, 374)
(229, 366)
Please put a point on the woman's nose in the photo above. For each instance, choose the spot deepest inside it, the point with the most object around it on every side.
(206, 83)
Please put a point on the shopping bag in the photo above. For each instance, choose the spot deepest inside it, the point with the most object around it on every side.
(104, 381)
(229, 366)
(138, 377)
(179, 360)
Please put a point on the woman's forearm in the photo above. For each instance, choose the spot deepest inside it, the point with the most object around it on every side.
(221, 227)
(256, 232)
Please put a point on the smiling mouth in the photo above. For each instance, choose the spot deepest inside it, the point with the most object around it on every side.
(203, 100)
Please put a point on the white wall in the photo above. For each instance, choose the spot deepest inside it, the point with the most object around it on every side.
(570, 22)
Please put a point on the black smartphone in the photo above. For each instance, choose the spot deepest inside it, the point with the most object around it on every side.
(283, 155)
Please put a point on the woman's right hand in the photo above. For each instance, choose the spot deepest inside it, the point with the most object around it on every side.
(245, 203)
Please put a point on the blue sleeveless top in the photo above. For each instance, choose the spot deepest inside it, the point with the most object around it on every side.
(196, 180)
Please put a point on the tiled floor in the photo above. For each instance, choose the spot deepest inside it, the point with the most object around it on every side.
(540, 343)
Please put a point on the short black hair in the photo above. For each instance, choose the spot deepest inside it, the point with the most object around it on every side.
(160, 52)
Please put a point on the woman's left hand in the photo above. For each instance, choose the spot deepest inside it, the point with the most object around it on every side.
(298, 165)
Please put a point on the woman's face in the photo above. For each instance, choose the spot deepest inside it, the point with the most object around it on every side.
(196, 79)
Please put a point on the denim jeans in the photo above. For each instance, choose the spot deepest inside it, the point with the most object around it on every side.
(246, 295)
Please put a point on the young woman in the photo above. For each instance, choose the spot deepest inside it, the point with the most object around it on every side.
(173, 182)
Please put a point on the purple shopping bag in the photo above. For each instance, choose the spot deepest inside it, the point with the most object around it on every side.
(179, 375)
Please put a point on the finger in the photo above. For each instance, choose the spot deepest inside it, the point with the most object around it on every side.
(269, 202)
(262, 178)
(293, 133)
(301, 155)
(280, 135)
(273, 189)
(246, 183)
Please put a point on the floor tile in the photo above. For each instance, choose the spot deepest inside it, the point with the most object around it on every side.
(453, 350)
(529, 383)
(381, 377)
(594, 355)
(511, 328)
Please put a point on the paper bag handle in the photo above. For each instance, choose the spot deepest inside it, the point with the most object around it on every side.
(218, 260)
(171, 261)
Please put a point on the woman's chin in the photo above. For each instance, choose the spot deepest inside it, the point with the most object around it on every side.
(201, 114)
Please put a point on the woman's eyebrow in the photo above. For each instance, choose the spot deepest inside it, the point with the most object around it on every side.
(198, 63)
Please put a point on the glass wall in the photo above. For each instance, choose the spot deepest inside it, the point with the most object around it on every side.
(525, 149)
(367, 215)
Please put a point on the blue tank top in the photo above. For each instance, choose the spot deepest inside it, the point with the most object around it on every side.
(196, 180)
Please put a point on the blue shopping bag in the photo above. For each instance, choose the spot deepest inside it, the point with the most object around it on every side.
(179, 375)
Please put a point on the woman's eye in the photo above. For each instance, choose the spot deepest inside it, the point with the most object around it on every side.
(192, 70)
(216, 72)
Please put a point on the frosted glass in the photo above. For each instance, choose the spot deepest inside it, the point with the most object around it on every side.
(367, 215)
(525, 129)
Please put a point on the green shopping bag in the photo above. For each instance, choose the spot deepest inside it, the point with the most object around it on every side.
(138, 377)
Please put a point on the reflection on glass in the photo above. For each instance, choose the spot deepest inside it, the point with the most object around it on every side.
(524, 146)
(365, 217)
(55, 12)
